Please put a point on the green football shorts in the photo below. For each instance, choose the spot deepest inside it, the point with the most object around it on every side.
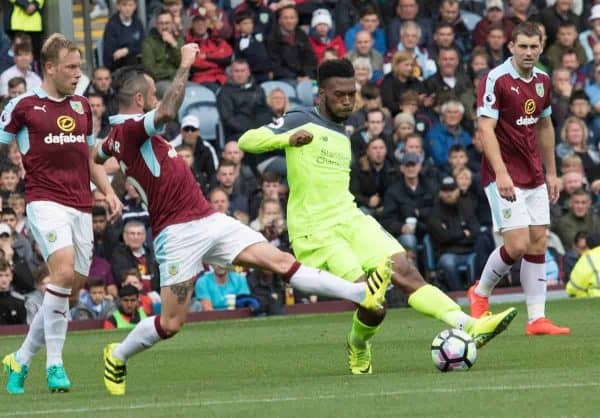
(347, 249)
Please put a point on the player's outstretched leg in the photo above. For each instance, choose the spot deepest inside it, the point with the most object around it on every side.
(431, 301)
(175, 302)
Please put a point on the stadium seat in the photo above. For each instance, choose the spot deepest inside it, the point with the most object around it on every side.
(288, 89)
(304, 91)
(210, 124)
(100, 52)
(196, 94)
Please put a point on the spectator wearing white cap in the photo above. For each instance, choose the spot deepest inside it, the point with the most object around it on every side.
(591, 37)
(320, 39)
(206, 159)
(494, 13)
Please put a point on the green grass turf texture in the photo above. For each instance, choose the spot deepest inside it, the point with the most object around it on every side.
(296, 367)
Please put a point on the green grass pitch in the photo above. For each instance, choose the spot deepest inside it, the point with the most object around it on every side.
(296, 367)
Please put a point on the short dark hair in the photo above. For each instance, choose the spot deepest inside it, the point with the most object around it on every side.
(98, 211)
(528, 29)
(370, 91)
(368, 9)
(131, 272)
(457, 148)
(335, 68)
(128, 81)
(270, 177)
(226, 163)
(442, 25)
(9, 167)
(376, 110)
(578, 95)
(15, 81)
(243, 15)
(495, 26)
(101, 68)
(8, 211)
(566, 24)
(96, 95)
(288, 7)
(96, 282)
(581, 192)
(22, 48)
(4, 265)
(128, 290)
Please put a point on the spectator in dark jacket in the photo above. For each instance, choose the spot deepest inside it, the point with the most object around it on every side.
(406, 11)
(371, 176)
(410, 197)
(374, 128)
(12, 304)
(132, 253)
(554, 15)
(453, 228)
(252, 47)
(122, 39)
(399, 80)
(449, 77)
(290, 50)
(105, 236)
(262, 16)
(213, 57)
(102, 84)
(450, 13)
(241, 102)
(347, 13)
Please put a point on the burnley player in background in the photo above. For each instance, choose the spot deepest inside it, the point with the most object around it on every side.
(513, 109)
(53, 129)
(187, 230)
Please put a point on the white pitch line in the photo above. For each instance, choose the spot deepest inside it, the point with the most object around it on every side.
(200, 403)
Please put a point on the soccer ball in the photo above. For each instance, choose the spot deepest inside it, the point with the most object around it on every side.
(453, 349)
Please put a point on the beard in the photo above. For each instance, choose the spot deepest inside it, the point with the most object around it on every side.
(333, 115)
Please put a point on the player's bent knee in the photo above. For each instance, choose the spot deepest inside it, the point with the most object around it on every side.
(406, 276)
(171, 325)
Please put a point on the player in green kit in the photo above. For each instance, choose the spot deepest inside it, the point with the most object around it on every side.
(327, 229)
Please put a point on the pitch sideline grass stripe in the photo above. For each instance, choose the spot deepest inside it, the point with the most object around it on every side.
(200, 403)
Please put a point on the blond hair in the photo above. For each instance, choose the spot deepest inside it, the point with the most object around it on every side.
(52, 47)
(578, 121)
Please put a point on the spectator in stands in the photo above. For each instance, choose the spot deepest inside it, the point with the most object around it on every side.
(238, 203)
(268, 289)
(370, 176)
(23, 58)
(160, 51)
(457, 159)
(20, 244)
(399, 80)
(591, 37)
(262, 16)
(241, 102)
(447, 132)
(453, 228)
(12, 304)
(213, 57)
(579, 218)
(34, 299)
(219, 200)
(133, 206)
(578, 75)
(410, 35)
(369, 22)
(270, 184)
(321, 39)
(495, 45)
(404, 125)
(408, 11)
(101, 84)
(9, 181)
(363, 48)
(371, 99)
(554, 15)
(494, 15)
(26, 17)
(187, 154)
(363, 73)
(450, 13)
(251, 46)
(561, 92)
(278, 102)
(572, 255)
(122, 38)
(574, 136)
(133, 278)
(520, 11)
(245, 180)
(423, 117)
(290, 50)
(206, 159)
(583, 280)
(449, 77)
(271, 223)
(212, 287)
(479, 61)
(566, 40)
(347, 13)
(373, 129)
(94, 303)
(16, 87)
(443, 37)
(102, 269)
(128, 312)
(410, 197)
(16, 201)
(22, 276)
(217, 18)
(571, 182)
(133, 253)
(105, 234)
(99, 119)
(580, 106)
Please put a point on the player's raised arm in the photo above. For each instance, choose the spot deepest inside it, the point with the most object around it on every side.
(171, 101)
(281, 133)
(545, 134)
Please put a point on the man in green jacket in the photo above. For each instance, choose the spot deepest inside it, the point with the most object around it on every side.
(579, 218)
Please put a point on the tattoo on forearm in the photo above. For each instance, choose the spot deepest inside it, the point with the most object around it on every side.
(181, 290)
(174, 95)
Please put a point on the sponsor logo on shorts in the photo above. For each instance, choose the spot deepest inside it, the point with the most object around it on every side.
(51, 236)
(65, 123)
(506, 213)
(173, 269)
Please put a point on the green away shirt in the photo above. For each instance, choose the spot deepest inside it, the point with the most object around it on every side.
(318, 173)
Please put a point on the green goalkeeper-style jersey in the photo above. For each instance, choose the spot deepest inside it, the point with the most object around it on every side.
(318, 173)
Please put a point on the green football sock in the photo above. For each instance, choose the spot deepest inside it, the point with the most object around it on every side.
(431, 301)
(361, 333)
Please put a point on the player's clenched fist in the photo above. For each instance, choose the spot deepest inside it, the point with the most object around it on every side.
(188, 55)
(300, 138)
